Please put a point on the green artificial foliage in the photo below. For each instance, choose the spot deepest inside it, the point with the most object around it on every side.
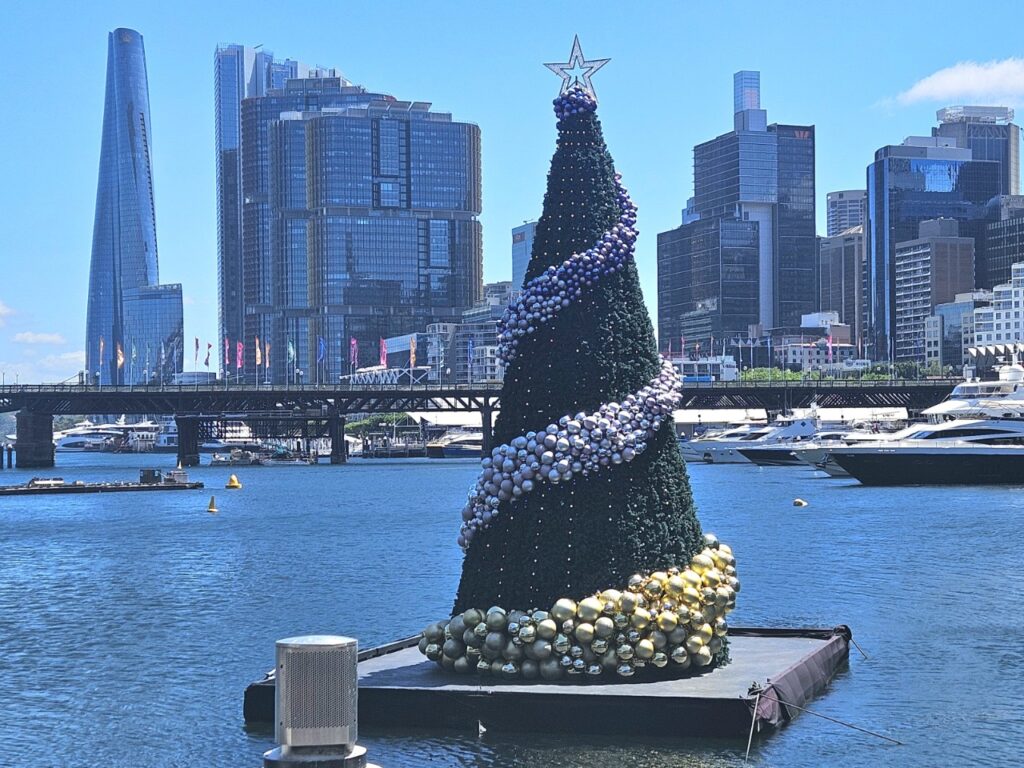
(593, 532)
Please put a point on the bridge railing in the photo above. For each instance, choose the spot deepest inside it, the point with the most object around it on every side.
(14, 389)
(826, 383)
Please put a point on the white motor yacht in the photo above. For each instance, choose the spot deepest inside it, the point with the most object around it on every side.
(726, 448)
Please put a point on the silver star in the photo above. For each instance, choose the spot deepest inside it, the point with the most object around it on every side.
(577, 69)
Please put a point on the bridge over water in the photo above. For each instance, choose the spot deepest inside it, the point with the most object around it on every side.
(322, 410)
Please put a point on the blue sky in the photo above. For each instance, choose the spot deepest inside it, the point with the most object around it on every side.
(866, 74)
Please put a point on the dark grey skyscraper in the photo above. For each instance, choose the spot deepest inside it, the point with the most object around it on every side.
(124, 254)
(761, 175)
(922, 178)
(359, 221)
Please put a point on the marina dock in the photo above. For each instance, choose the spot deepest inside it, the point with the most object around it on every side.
(397, 685)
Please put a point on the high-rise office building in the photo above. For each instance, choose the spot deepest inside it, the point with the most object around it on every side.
(949, 331)
(841, 267)
(990, 134)
(522, 250)
(761, 175)
(930, 270)
(922, 178)
(845, 210)
(359, 221)
(240, 72)
(154, 333)
(124, 252)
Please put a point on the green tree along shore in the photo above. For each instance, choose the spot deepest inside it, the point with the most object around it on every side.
(591, 533)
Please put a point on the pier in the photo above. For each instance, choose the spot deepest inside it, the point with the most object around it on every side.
(321, 410)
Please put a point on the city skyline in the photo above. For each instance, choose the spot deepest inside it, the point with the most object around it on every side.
(40, 337)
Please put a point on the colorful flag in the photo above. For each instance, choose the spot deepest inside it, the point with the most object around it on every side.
(266, 354)
(353, 352)
(383, 352)
(101, 350)
(828, 343)
(239, 354)
(412, 351)
(321, 349)
(120, 356)
(291, 351)
(227, 354)
(209, 347)
(259, 352)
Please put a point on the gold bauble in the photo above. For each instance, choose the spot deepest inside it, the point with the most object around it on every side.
(584, 632)
(694, 643)
(702, 657)
(604, 627)
(629, 602)
(547, 629)
(660, 576)
(667, 621)
(707, 595)
(675, 585)
(652, 588)
(721, 627)
(563, 609)
(645, 649)
(680, 656)
(641, 618)
(702, 563)
(673, 571)
(589, 608)
(729, 570)
(713, 577)
(705, 632)
(691, 596)
(692, 578)
(611, 596)
(734, 583)
(695, 617)
(725, 548)
(722, 596)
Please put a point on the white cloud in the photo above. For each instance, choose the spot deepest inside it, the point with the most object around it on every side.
(996, 83)
(49, 369)
(28, 337)
(64, 361)
(5, 312)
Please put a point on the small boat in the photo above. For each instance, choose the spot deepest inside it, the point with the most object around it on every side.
(237, 457)
(282, 457)
(456, 445)
(149, 480)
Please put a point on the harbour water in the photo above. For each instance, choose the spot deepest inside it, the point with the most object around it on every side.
(130, 624)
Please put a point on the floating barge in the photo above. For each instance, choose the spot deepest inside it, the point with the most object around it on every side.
(149, 480)
(399, 687)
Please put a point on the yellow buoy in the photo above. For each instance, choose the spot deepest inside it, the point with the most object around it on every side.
(799, 503)
(233, 483)
(212, 509)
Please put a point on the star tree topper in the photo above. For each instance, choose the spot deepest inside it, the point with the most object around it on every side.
(577, 69)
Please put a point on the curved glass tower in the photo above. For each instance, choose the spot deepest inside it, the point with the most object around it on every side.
(124, 255)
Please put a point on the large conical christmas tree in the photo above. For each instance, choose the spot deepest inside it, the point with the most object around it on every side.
(583, 553)
(602, 524)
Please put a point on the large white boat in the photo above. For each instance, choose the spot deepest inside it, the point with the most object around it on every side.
(725, 448)
(1008, 388)
(970, 451)
(118, 436)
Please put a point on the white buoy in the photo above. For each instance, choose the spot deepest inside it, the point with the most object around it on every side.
(799, 503)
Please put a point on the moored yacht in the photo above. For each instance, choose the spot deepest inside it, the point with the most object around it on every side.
(726, 448)
(968, 451)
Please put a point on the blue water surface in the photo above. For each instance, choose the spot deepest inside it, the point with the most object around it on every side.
(130, 624)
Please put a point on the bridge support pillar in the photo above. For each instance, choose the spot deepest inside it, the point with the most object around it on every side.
(487, 423)
(339, 448)
(188, 441)
(35, 440)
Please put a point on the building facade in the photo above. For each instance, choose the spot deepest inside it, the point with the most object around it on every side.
(1002, 322)
(990, 134)
(522, 251)
(760, 176)
(923, 178)
(707, 282)
(841, 275)
(1003, 247)
(949, 331)
(124, 249)
(359, 221)
(154, 334)
(240, 72)
(930, 270)
(845, 210)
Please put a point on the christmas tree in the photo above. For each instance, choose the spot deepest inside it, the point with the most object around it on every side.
(586, 493)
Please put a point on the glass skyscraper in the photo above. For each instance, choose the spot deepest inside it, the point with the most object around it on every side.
(990, 134)
(154, 334)
(923, 178)
(359, 221)
(761, 175)
(522, 252)
(240, 72)
(124, 252)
